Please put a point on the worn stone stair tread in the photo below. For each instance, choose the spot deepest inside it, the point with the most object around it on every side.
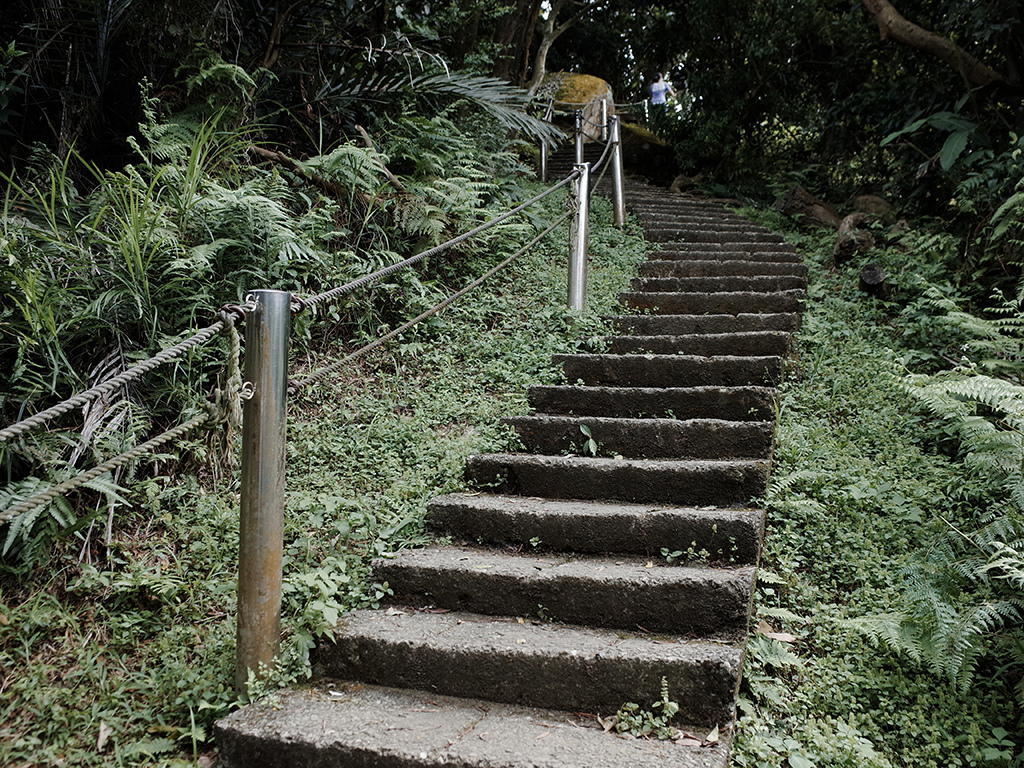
(726, 251)
(647, 438)
(596, 591)
(724, 302)
(680, 325)
(675, 482)
(717, 267)
(662, 234)
(711, 402)
(647, 370)
(596, 527)
(719, 283)
(536, 664)
(341, 723)
(736, 344)
(721, 224)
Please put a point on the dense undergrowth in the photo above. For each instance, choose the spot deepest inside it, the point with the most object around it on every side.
(891, 572)
(117, 604)
(118, 649)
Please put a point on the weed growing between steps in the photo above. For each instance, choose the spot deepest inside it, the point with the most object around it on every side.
(128, 662)
(858, 490)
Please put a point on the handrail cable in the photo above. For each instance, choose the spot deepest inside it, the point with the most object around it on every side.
(229, 313)
(60, 489)
(225, 408)
(603, 157)
(295, 385)
(304, 303)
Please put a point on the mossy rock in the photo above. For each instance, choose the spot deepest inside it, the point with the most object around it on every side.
(571, 92)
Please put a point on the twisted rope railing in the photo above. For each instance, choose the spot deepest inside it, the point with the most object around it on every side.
(228, 315)
(296, 385)
(226, 408)
(341, 290)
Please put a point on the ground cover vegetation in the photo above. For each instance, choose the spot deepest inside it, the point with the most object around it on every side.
(887, 627)
(300, 146)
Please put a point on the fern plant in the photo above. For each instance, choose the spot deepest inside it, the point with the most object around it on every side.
(964, 595)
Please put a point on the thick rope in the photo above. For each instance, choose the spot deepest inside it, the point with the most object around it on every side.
(69, 485)
(296, 385)
(226, 408)
(367, 279)
(227, 315)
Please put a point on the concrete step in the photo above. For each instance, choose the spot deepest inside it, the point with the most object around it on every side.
(669, 370)
(553, 666)
(664, 234)
(699, 222)
(697, 218)
(719, 267)
(339, 723)
(731, 302)
(726, 252)
(750, 344)
(727, 403)
(672, 482)
(683, 325)
(535, 524)
(592, 591)
(720, 283)
(649, 438)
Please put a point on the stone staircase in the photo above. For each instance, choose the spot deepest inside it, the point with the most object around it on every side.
(553, 604)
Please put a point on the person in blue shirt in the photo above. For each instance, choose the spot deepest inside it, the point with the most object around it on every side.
(660, 91)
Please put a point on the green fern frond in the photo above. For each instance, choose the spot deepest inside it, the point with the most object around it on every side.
(895, 631)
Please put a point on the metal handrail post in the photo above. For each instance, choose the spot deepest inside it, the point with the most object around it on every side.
(604, 119)
(618, 185)
(579, 238)
(261, 523)
(579, 136)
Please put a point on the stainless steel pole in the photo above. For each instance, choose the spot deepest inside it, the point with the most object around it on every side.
(543, 160)
(604, 119)
(261, 526)
(579, 136)
(618, 185)
(579, 237)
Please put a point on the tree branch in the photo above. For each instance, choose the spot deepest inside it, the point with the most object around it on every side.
(333, 188)
(893, 26)
(368, 143)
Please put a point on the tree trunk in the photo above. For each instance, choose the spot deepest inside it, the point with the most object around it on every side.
(891, 25)
(550, 31)
(513, 36)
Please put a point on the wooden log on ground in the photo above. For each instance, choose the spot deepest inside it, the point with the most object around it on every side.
(806, 208)
(872, 281)
(852, 237)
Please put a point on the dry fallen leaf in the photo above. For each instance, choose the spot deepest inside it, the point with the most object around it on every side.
(712, 738)
(766, 629)
(101, 741)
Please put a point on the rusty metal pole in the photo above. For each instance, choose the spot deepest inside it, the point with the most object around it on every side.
(261, 525)
(579, 236)
(618, 185)
(579, 136)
